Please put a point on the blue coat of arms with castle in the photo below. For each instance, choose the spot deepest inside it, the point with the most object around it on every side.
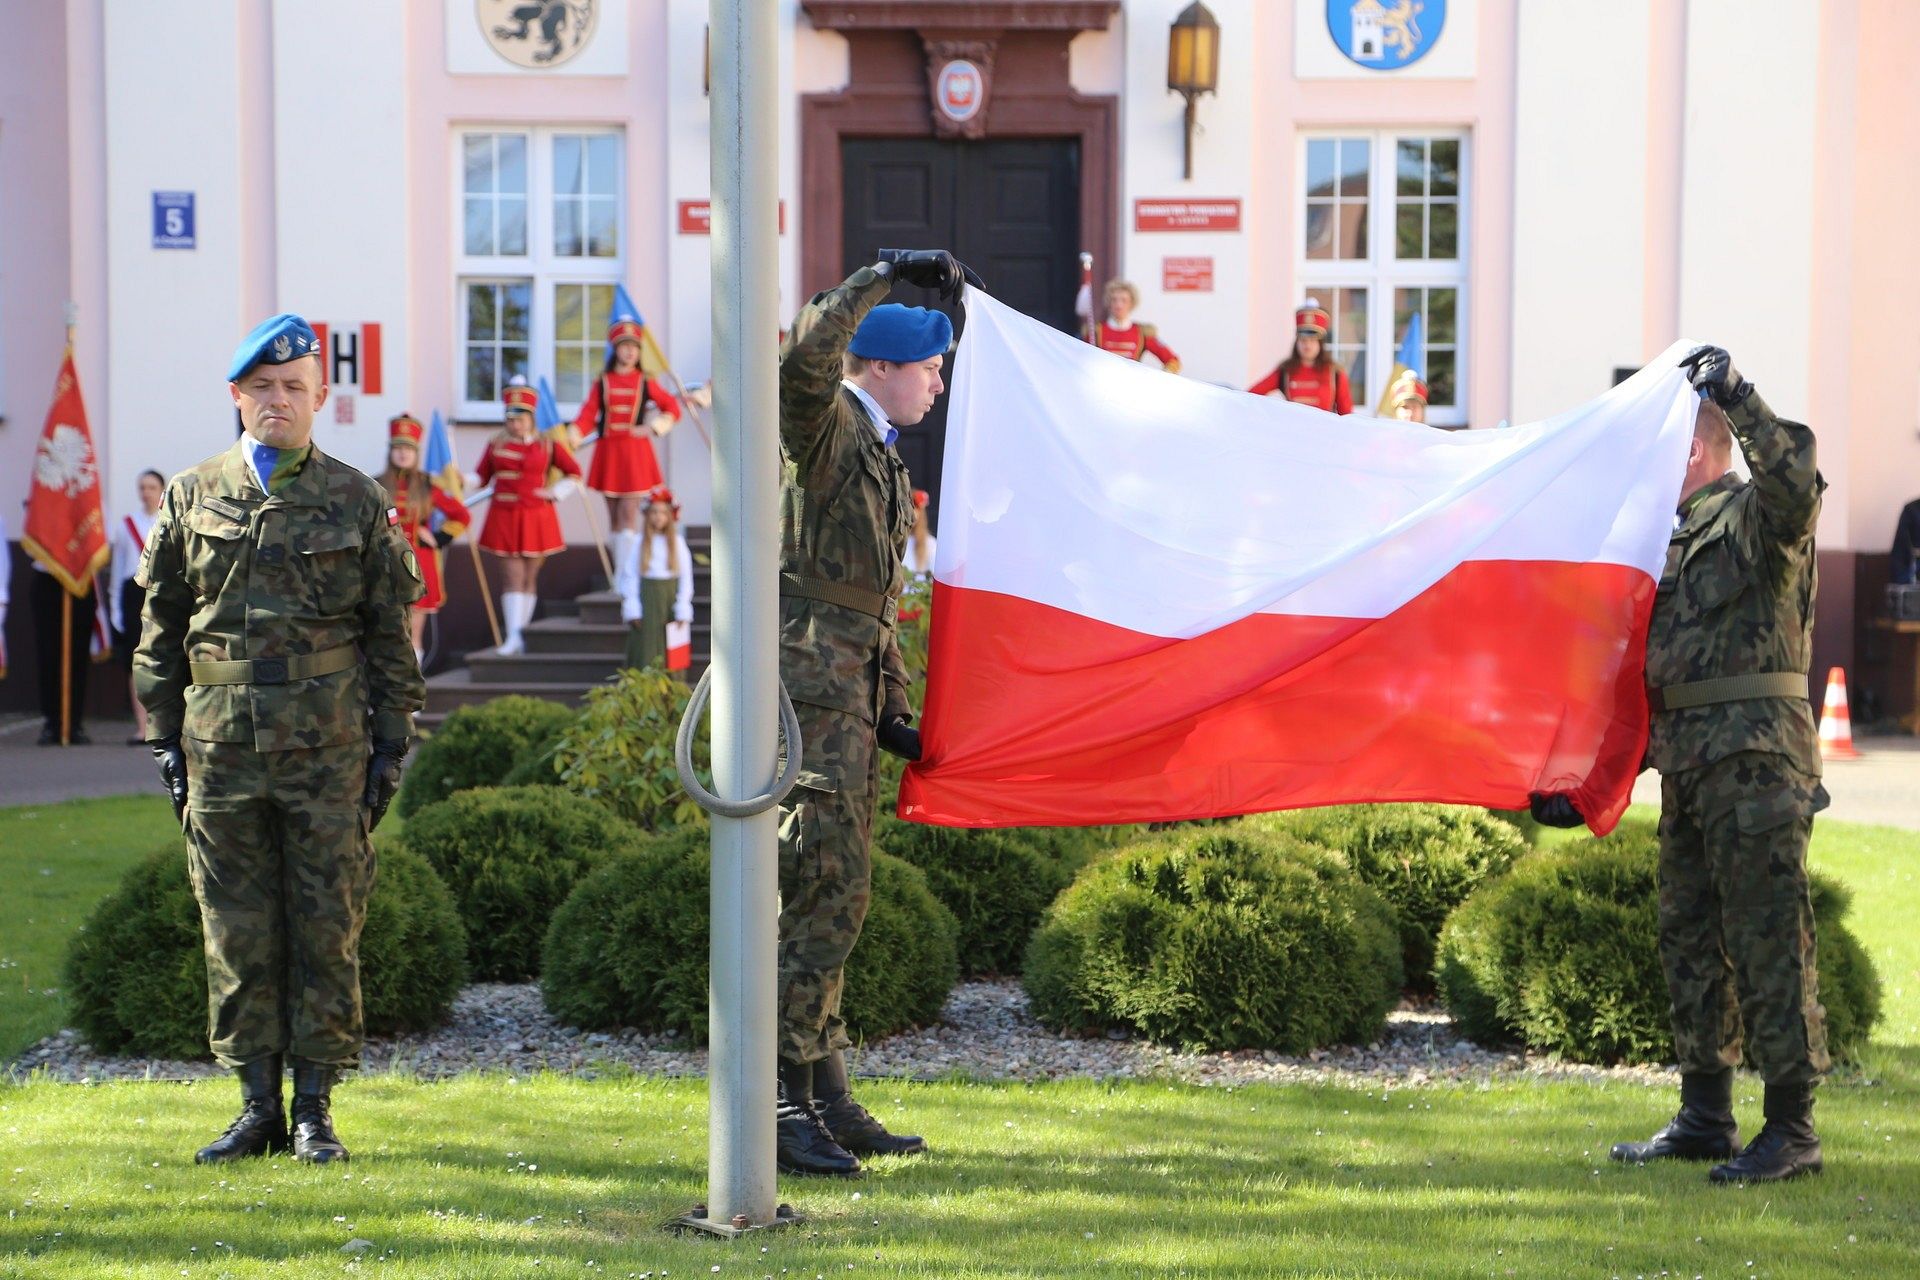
(1385, 35)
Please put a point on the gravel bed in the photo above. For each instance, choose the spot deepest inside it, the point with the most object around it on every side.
(985, 1032)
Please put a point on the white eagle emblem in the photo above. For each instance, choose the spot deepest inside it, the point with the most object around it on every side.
(283, 348)
(64, 462)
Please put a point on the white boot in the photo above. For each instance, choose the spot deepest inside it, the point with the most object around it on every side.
(511, 615)
(626, 572)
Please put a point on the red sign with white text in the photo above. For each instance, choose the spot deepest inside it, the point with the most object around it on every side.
(1186, 215)
(1186, 275)
(696, 217)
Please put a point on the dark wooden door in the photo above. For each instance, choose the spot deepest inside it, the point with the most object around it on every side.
(1009, 208)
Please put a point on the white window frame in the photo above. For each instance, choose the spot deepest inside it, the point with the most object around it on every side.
(1380, 273)
(540, 265)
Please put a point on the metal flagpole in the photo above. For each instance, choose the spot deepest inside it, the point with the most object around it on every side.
(741, 1189)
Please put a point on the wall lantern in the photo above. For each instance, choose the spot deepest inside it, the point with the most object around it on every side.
(1193, 62)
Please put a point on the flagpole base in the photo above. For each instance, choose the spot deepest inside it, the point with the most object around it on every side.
(696, 1222)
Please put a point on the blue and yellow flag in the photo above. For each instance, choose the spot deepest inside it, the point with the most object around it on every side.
(440, 464)
(1411, 355)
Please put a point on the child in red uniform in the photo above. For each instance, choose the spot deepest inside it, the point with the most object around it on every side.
(624, 469)
(1309, 375)
(1119, 333)
(522, 527)
(1408, 398)
(416, 497)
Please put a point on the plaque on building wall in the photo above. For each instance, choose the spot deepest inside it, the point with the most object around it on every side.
(1186, 215)
(958, 77)
(537, 33)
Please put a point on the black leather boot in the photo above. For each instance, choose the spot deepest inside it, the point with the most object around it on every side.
(313, 1136)
(261, 1126)
(1704, 1129)
(851, 1124)
(802, 1141)
(1786, 1145)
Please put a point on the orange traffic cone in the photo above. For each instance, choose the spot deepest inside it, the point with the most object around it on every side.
(1836, 726)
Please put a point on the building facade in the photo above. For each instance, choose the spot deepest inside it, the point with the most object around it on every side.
(454, 187)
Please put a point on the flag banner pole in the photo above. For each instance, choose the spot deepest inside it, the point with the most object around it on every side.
(66, 668)
(486, 593)
(741, 1190)
(593, 525)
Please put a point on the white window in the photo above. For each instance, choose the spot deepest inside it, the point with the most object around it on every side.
(1383, 238)
(543, 242)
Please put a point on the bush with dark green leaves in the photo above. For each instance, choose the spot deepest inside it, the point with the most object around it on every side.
(619, 751)
(511, 856)
(1562, 954)
(1219, 937)
(1424, 859)
(629, 948)
(136, 972)
(477, 746)
(997, 883)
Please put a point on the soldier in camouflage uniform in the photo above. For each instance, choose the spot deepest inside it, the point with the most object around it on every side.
(851, 372)
(280, 684)
(1734, 739)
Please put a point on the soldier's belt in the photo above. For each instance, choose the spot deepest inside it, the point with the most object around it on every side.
(1704, 693)
(872, 603)
(305, 666)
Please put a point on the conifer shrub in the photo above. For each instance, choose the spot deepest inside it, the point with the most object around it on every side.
(136, 972)
(1562, 954)
(1424, 859)
(630, 947)
(1219, 937)
(511, 856)
(477, 746)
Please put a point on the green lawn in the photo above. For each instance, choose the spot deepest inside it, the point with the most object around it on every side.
(483, 1177)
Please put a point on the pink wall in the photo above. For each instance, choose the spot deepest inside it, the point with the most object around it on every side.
(34, 284)
(1483, 106)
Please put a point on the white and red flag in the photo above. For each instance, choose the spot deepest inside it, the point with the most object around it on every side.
(1158, 599)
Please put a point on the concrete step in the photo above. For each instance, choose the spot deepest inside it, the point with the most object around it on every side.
(568, 635)
(454, 689)
(490, 667)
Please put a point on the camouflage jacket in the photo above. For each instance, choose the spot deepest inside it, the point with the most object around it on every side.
(232, 573)
(845, 511)
(1736, 598)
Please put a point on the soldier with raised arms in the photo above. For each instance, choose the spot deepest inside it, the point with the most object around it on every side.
(1733, 737)
(280, 685)
(852, 372)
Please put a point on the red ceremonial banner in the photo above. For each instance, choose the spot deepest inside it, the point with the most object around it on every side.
(66, 529)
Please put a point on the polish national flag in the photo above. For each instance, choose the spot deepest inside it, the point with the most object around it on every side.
(1158, 599)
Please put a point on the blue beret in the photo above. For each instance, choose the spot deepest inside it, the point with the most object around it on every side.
(902, 334)
(277, 340)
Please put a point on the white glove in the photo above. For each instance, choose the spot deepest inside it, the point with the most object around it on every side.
(564, 490)
(1083, 302)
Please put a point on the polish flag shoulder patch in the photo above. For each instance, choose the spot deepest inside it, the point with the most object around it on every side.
(393, 515)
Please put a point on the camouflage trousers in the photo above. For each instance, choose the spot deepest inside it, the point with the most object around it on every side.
(826, 872)
(282, 866)
(1736, 922)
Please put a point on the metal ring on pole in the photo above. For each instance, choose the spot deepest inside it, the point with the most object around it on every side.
(683, 756)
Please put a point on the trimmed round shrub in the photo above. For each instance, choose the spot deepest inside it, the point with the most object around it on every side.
(476, 747)
(136, 972)
(619, 751)
(1424, 859)
(1562, 954)
(996, 883)
(629, 948)
(512, 855)
(1219, 938)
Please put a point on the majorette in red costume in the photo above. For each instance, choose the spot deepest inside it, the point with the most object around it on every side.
(1309, 375)
(623, 460)
(520, 520)
(416, 507)
(1122, 335)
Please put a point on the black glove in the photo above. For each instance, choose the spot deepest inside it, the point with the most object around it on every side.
(1554, 809)
(931, 269)
(383, 777)
(1711, 370)
(899, 737)
(441, 538)
(172, 763)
